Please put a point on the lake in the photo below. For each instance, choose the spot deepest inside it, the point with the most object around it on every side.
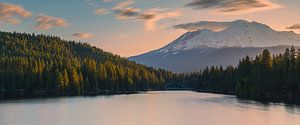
(150, 108)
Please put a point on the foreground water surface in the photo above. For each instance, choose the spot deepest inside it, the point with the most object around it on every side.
(151, 108)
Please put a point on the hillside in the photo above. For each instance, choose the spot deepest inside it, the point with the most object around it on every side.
(41, 65)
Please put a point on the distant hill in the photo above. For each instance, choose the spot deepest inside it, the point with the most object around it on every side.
(196, 59)
(197, 49)
(41, 65)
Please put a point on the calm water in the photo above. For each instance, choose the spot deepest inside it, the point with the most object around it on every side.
(152, 108)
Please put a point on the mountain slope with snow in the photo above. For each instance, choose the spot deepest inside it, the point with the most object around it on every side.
(192, 48)
(238, 33)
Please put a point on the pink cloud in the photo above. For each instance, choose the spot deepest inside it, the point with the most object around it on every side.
(12, 14)
(294, 26)
(44, 22)
(83, 35)
(123, 4)
(234, 7)
(152, 16)
(101, 11)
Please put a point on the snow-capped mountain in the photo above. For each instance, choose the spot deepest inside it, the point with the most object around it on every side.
(239, 35)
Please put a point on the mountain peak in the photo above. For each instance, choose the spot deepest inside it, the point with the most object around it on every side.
(238, 33)
(253, 24)
(241, 22)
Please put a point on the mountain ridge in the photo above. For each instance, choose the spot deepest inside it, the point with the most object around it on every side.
(238, 35)
(197, 59)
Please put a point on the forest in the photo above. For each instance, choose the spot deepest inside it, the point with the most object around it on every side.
(43, 65)
(266, 77)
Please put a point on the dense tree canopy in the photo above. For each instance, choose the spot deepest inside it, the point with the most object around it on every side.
(41, 65)
(47, 65)
(267, 77)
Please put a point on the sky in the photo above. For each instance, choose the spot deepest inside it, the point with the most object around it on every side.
(133, 27)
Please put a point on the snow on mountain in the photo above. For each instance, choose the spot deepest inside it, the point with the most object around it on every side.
(231, 41)
(239, 33)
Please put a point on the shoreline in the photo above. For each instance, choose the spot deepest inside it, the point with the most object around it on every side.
(112, 93)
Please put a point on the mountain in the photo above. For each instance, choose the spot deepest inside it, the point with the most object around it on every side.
(197, 49)
(43, 65)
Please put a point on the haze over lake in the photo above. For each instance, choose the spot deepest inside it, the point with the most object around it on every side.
(151, 108)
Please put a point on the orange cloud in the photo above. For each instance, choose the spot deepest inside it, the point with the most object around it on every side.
(153, 16)
(12, 14)
(210, 25)
(83, 35)
(123, 4)
(234, 7)
(149, 17)
(101, 11)
(294, 26)
(127, 13)
(44, 22)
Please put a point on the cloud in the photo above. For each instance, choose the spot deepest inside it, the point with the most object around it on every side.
(123, 4)
(211, 25)
(101, 11)
(121, 8)
(123, 11)
(234, 6)
(149, 17)
(127, 13)
(83, 35)
(12, 14)
(294, 26)
(107, 1)
(44, 22)
(153, 16)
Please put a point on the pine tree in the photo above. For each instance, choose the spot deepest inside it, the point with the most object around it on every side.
(102, 77)
(266, 59)
(74, 80)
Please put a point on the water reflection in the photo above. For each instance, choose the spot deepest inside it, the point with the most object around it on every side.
(151, 108)
(293, 109)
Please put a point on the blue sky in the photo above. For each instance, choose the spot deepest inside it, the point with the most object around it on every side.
(131, 27)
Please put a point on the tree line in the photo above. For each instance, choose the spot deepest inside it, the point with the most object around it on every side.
(266, 77)
(43, 65)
